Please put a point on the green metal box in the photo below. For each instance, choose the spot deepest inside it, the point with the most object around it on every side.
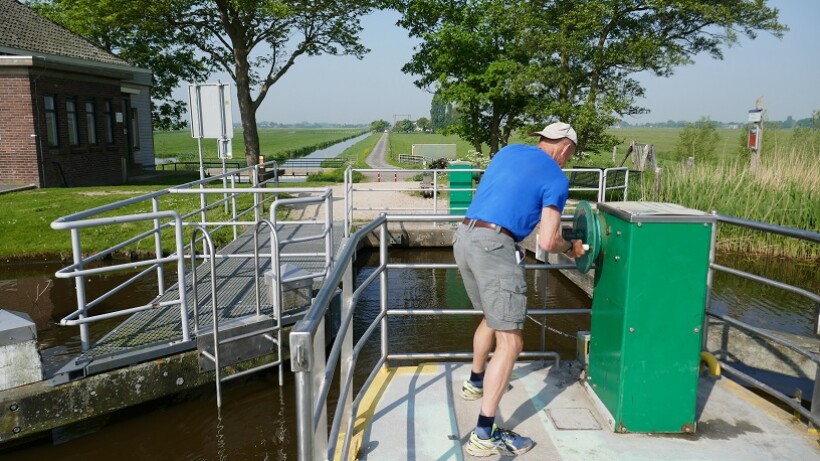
(647, 314)
(461, 185)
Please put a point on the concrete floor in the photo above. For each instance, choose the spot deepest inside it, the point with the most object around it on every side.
(419, 415)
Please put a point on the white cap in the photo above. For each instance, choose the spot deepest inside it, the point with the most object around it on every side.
(558, 130)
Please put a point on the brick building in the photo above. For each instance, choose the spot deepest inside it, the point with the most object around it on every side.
(71, 114)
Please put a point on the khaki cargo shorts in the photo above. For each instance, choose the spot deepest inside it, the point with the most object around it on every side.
(492, 276)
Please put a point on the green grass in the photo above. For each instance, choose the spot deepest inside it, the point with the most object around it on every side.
(27, 234)
(784, 190)
(273, 142)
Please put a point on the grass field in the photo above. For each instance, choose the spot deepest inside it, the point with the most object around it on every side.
(273, 142)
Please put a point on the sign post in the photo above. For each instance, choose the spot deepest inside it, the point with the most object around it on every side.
(755, 137)
(211, 117)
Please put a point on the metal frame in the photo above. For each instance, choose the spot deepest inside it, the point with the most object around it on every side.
(813, 415)
(349, 189)
(314, 374)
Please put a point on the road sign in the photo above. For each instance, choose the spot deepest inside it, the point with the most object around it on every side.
(211, 115)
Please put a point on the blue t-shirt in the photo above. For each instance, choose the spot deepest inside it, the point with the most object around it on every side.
(520, 181)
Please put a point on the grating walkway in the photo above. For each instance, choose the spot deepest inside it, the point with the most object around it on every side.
(158, 332)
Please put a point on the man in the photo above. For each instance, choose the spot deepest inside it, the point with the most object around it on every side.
(522, 186)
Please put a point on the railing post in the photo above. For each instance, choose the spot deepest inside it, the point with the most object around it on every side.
(709, 280)
(383, 289)
(435, 192)
(301, 363)
(257, 206)
(183, 291)
(233, 207)
(158, 249)
(348, 200)
(79, 283)
(347, 344)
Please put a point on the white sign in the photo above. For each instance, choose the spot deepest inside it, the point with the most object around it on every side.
(210, 109)
(755, 115)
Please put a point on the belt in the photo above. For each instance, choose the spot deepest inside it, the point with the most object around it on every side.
(487, 225)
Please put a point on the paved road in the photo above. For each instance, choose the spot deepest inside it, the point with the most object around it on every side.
(378, 159)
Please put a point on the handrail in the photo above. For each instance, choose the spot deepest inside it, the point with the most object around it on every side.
(314, 374)
(603, 176)
(812, 415)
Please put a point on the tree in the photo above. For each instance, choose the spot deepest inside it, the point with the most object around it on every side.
(404, 126)
(127, 28)
(379, 125)
(424, 124)
(698, 140)
(254, 41)
(508, 65)
(246, 36)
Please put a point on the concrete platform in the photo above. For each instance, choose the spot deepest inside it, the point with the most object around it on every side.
(418, 415)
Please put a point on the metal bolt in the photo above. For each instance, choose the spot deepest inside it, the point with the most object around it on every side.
(617, 258)
(618, 233)
(632, 329)
(640, 224)
(13, 407)
(697, 330)
(16, 430)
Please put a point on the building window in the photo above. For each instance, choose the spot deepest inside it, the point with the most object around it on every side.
(71, 119)
(109, 122)
(91, 121)
(52, 133)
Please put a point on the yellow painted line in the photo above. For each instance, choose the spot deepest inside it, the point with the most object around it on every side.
(367, 407)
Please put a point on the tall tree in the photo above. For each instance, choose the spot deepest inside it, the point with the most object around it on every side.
(513, 64)
(256, 42)
(130, 29)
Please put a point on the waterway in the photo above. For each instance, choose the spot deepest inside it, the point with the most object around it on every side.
(258, 418)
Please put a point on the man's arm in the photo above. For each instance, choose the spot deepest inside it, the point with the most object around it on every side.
(550, 238)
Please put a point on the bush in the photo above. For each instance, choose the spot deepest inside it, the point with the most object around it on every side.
(698, 140)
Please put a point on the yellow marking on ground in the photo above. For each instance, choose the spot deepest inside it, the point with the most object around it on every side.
(367, 408)
(424, 368)
(750, 397)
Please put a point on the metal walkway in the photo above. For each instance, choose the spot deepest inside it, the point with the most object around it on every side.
(158, 332)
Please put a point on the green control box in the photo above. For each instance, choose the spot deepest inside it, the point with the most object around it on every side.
(461, 187)
(647, 314)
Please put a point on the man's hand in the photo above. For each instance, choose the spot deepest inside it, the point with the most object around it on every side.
(577, 250)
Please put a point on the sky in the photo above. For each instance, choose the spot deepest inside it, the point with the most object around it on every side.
(343, 89)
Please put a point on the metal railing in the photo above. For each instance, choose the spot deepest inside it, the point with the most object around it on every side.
(314, 373)
(163, 218)
(813, 414)
(604, 180)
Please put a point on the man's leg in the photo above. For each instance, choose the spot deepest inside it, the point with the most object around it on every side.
(482, 344)
(508, 345)
(487, 439)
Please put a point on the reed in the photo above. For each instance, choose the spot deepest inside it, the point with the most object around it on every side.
(783, 190)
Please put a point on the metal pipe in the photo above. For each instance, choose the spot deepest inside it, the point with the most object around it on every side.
(158, 248)
(773, 392)
(784, 342)
(415, 312)
(770, 282)
(383, 288)
(803, 234)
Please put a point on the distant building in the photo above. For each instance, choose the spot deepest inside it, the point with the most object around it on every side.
(71, 113)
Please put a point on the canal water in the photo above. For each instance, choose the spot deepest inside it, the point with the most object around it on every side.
(258, 418)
